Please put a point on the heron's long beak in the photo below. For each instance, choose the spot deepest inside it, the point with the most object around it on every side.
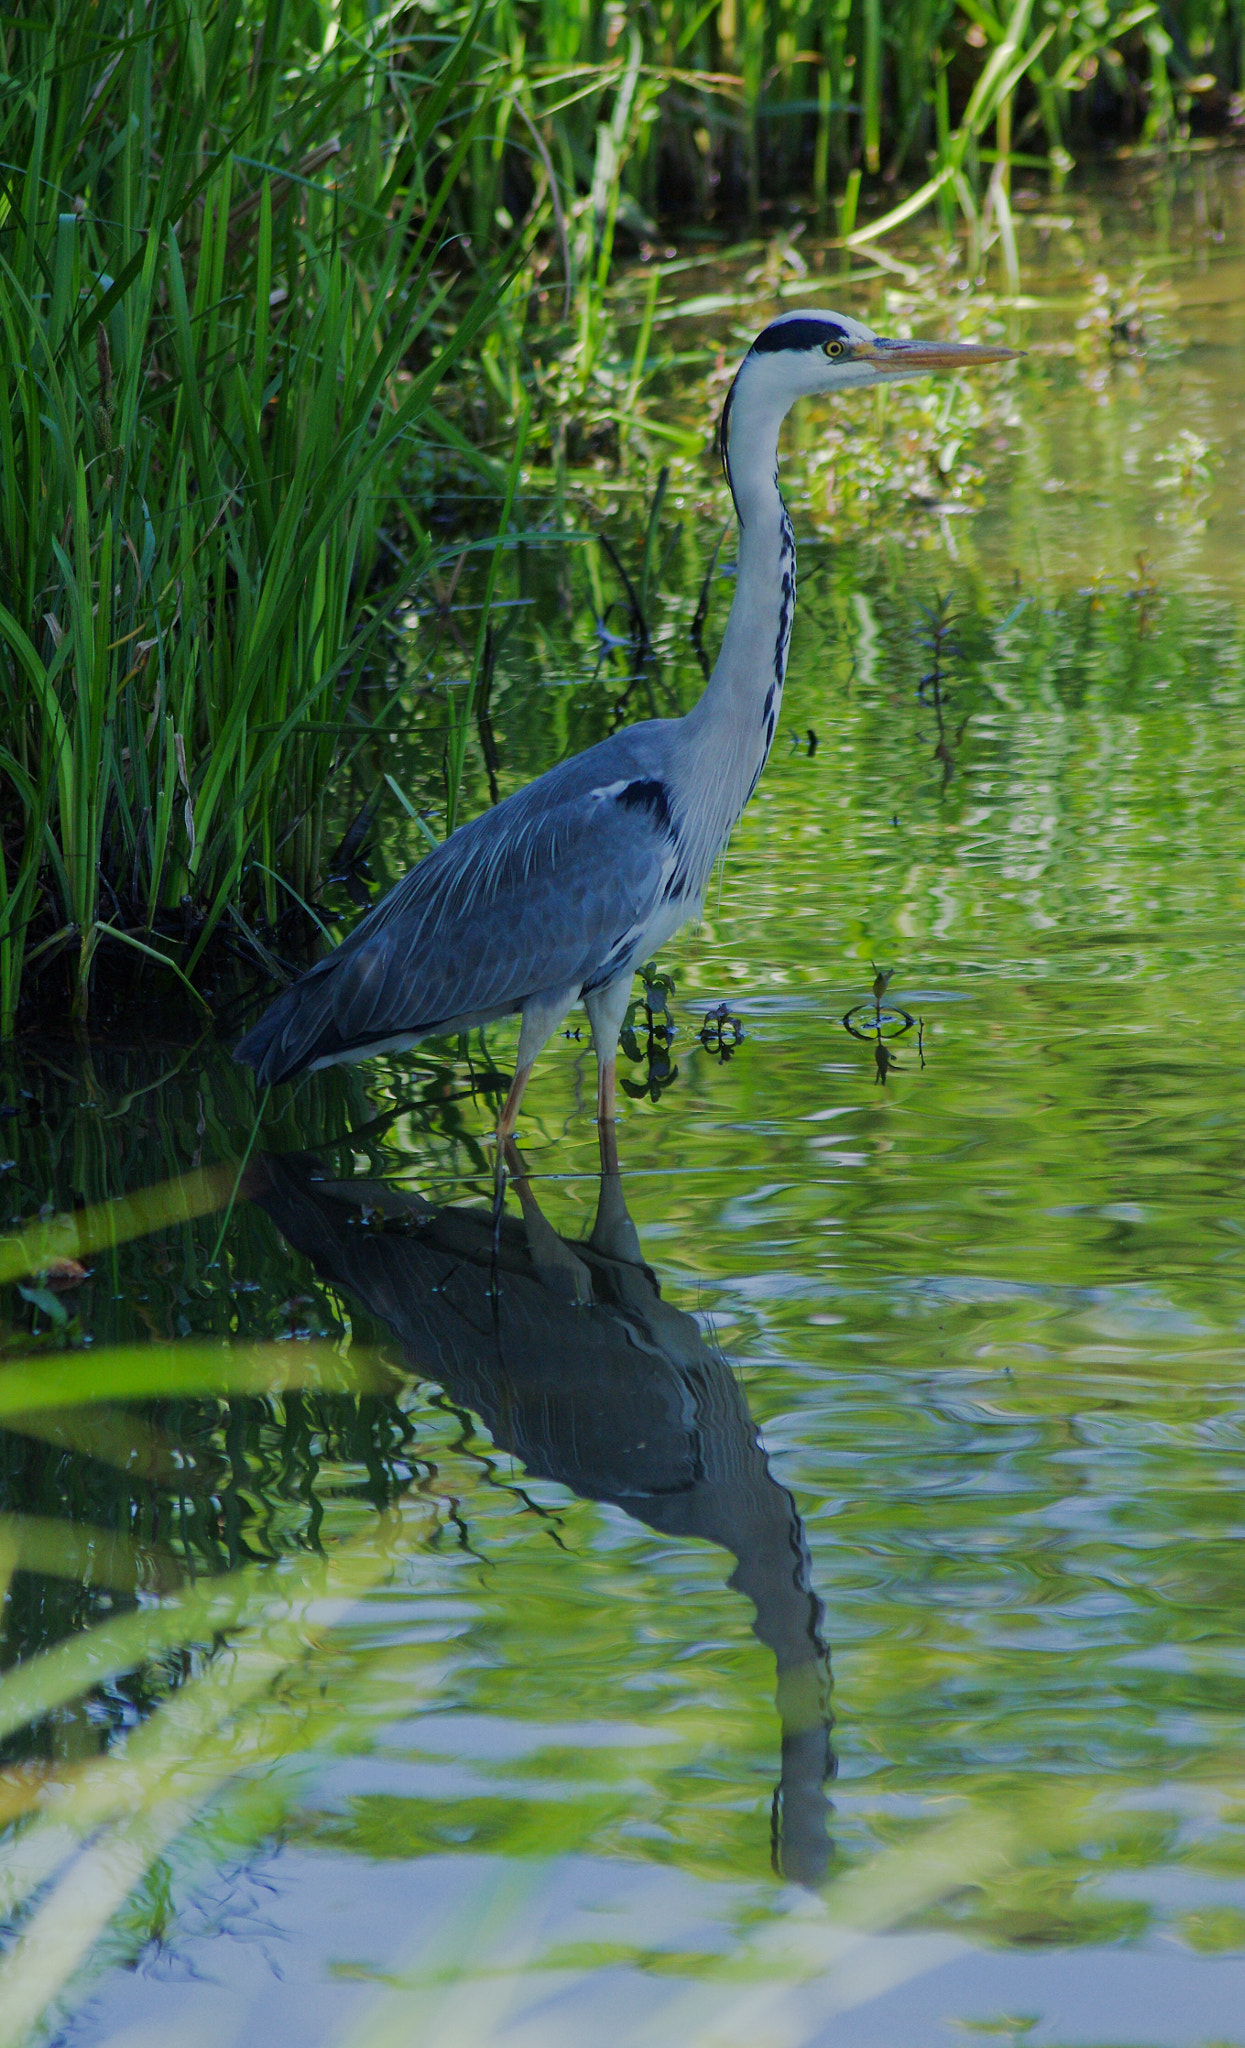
(912, 357)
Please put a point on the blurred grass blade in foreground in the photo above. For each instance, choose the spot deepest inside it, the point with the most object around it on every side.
(152, 1372)
(38, 1246)
(221, 1721)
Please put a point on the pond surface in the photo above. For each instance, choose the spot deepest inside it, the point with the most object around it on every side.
(819, 1616)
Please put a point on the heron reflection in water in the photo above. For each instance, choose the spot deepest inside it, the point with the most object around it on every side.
(576, 1365)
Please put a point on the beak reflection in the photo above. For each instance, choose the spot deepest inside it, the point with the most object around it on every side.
(575, 1364)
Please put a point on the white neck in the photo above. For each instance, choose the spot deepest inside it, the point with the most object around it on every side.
(732, 727)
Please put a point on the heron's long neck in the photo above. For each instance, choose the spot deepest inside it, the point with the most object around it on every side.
(732, 727)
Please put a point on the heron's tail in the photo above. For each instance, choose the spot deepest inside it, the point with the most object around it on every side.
(286, 1040)
(344, 1007)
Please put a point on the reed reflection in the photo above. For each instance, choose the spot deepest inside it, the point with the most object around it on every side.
(576, 1365)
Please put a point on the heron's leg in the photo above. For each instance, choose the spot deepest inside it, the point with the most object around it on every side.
(607, 1127)
(557, 1266)
(606, 1009)
(541, 1015)
(510, 1108)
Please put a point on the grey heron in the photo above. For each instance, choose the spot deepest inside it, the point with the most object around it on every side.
(554, 896)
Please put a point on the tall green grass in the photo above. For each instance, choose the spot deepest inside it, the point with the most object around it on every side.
(223, 317)
(788, 99)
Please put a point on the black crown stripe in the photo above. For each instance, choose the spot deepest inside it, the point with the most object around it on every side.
(797, 334)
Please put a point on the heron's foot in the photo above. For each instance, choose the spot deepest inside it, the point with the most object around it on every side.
(505, 1143)
(500, 1179)
(614, 1235)
(613, 1232)
(557, 1266)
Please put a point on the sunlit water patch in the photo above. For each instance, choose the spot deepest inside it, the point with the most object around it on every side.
(814, 1618)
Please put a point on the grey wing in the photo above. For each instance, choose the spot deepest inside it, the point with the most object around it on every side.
(532, 896)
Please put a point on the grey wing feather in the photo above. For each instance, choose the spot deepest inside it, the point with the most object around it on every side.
(539, 894)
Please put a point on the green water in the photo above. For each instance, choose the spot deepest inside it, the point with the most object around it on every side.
(542, 1778)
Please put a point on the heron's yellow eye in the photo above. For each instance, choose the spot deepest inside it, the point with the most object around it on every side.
(832, 348)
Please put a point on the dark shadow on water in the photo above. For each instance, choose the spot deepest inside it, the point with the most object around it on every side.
(576, 1365)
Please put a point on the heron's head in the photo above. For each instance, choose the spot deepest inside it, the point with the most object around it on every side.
(802, 353)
